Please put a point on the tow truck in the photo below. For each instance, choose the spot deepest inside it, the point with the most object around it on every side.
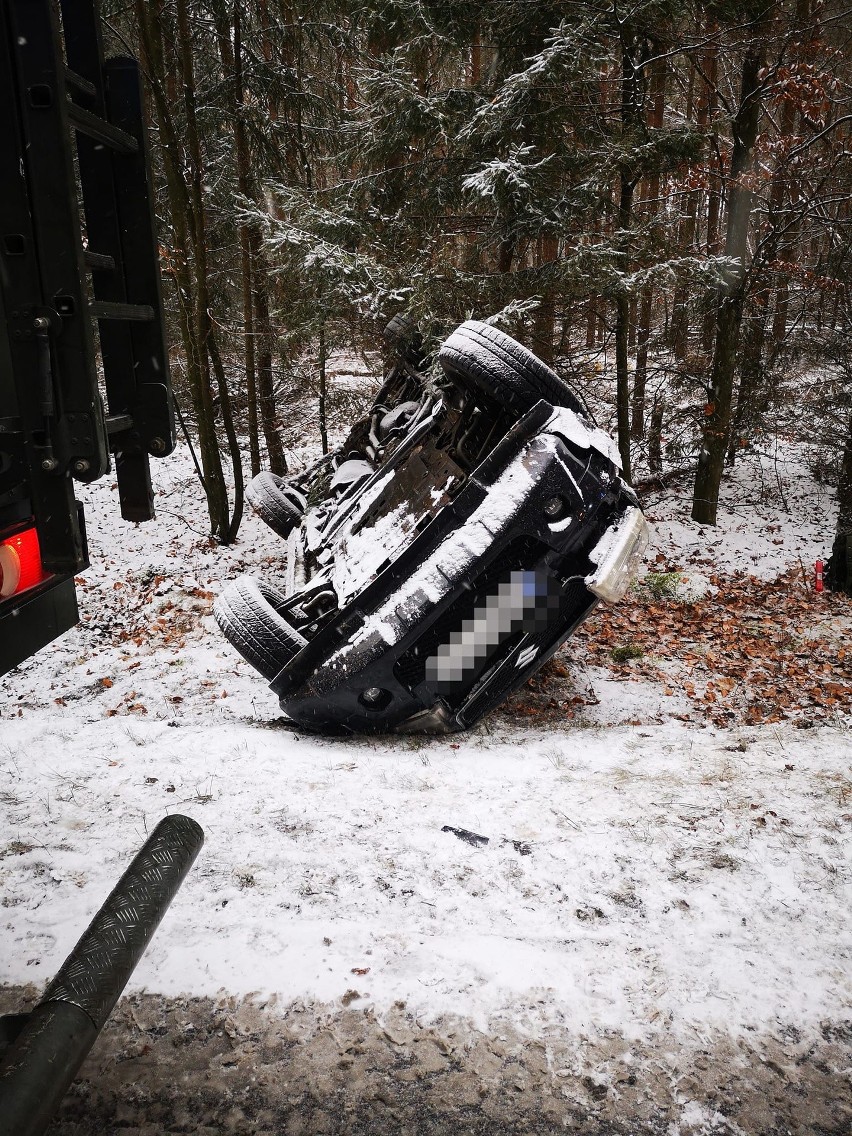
(84, 369)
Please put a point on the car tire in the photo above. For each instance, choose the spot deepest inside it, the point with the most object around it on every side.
(400, 330)
(275, 502)
(246, 613)
(483, 357)
(404, 340)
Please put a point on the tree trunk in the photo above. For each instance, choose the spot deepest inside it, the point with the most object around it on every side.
(622, 381)
(591, 323)
(323, 391)
(226, 526)
(265, 380)
(622, 334)
(839, 572)
(640, 378)
(714, 195)
(230, 534)
(787, 246)
(655, 435)
(245, 187)
(711, 459)
(476, 59)
(630, 114)
(547, 249)
(185, 229)
(646, 306)
(705, 105)
(752, 373)
(506, 252)
(256, 318)
(250, 359)
(266, 48)
(753, 394)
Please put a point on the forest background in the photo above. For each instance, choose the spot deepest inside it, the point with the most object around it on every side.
(655, 196)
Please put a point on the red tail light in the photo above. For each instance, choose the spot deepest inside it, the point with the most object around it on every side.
(20, 563)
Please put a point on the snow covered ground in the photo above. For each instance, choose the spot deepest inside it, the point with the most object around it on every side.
(631, 876)
(665, 882)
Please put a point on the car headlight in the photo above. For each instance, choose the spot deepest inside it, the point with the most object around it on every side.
(618, 555)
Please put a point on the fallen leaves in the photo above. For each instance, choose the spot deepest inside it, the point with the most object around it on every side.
(757, 651)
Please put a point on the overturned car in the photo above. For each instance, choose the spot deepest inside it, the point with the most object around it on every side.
(459, 535)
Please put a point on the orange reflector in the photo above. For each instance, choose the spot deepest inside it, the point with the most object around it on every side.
(20, 563)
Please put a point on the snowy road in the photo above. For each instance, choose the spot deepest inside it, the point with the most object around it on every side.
(630, 876)
(662, 904)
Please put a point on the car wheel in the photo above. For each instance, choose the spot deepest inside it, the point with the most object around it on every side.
(403, 338)
(483, 357)
(400, 331)
(246, 613)
(275, 502)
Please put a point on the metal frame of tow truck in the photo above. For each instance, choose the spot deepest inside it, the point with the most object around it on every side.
(73, 160)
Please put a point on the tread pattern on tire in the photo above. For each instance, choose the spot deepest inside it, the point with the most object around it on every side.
(400, 329)
(483, 355)
(276, 503)
(246, 613)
